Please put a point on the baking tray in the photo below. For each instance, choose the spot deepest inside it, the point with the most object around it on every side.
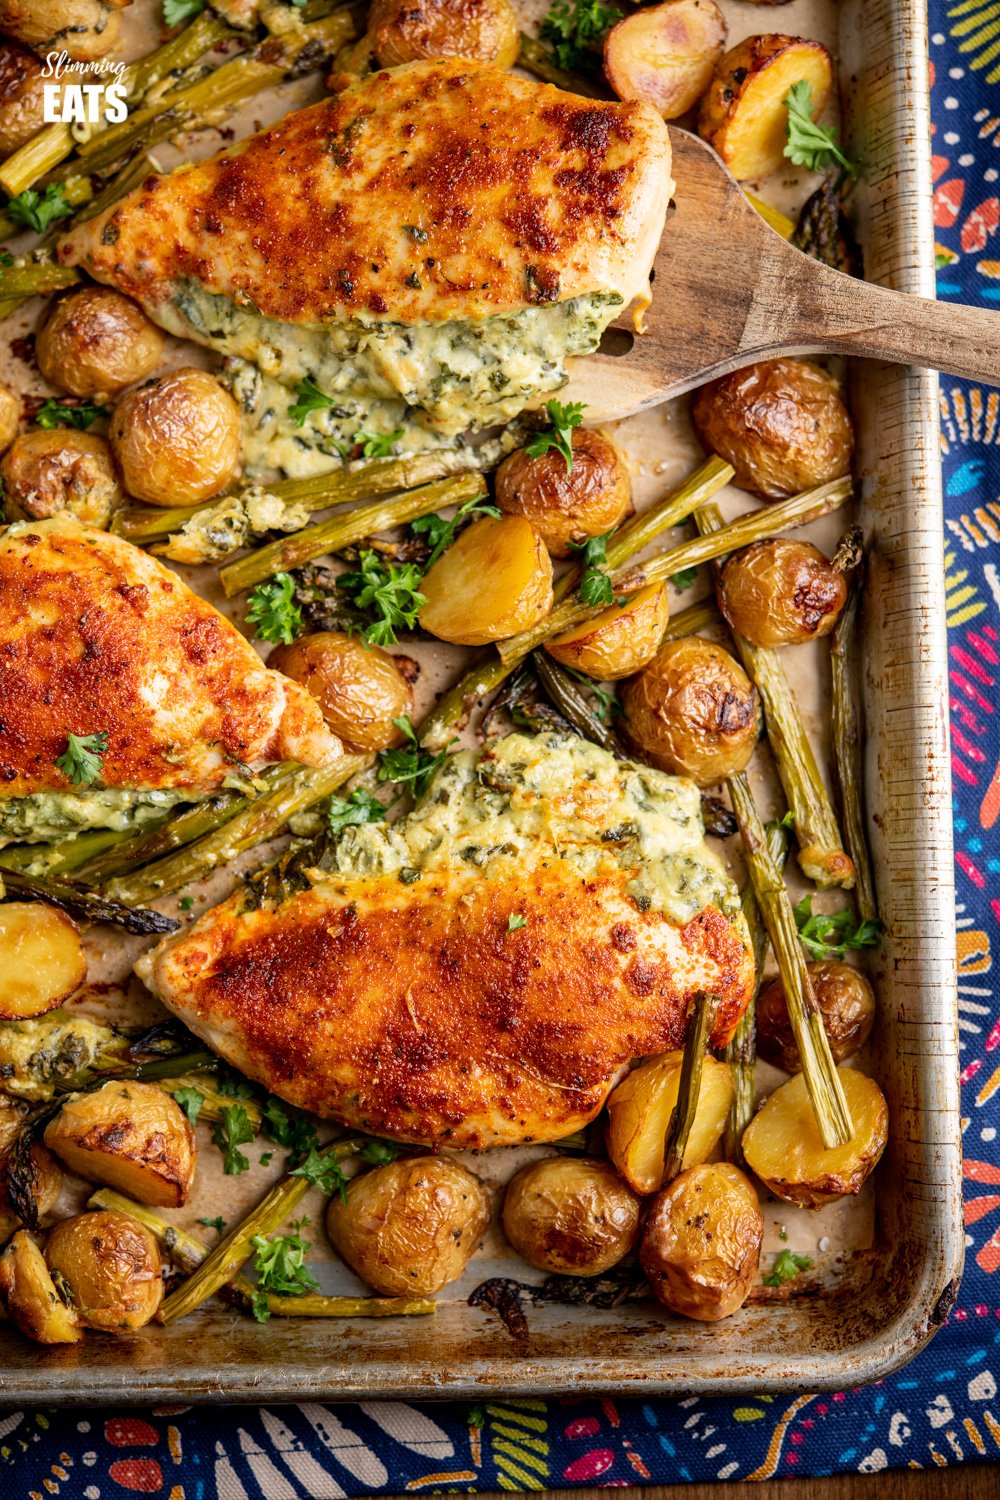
(877, 1307)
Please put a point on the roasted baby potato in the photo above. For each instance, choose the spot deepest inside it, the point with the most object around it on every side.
(701, 1242)
(22, 100)
(30, 1296)
(129, 1136)
(411, 1227)
(45, 1187)
(359, 688)
(693, 711)
(177, 438)
(639, 1113)
(110, 1267)
(84, 28)
(618, 641)
(783, 1146)
(781, 592)
(566, 506)
(666, 54)
(42, 960)
(403, 31)
(10, 413)
(846, 1000)
(45, 473)
(494, 581)
(95, 342)
(743, 114)
(571, 1215)
(782, 424)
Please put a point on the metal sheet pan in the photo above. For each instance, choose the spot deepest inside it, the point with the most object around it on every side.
(880, 1305)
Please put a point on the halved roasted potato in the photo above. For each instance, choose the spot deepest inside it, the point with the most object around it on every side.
(666, 54)
(401, 31)
(701, 1242)
(744, 116)
(130, 1136)
(493, 582)
(783, 1146)
(41, 959)
(639, 1113)
(618, 641)
(110, 1266)
(30, 1295)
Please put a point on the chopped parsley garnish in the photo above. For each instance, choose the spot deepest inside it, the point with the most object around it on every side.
(595, 587)
(293, 1131)
(787, 1265)
(516, 921)
(78, 414)
(310, 398)
(439, 533)
(559, 433)
(232, 1130)
(685, 578)
(378, 444)
(418, 235)
(379, 1153)
(390, 591)
(351, 811)
(186, 903)
(281, 1268)
(323, 1172)
(218, 1224)
(575, 31)
(190, 1101)
(605, 704)
(411, 763)
(38, 211)
(835, 934)
(235, 1086)
(82, 760)
(176, 11)
(272, 610)
(811, 145)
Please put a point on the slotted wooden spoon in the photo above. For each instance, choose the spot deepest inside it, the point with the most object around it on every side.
(729, 290)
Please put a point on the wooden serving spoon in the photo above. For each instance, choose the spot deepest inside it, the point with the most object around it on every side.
(728, 290)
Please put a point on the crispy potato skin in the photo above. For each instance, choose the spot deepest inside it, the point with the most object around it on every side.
(666, 54)
(500, 172)
(344, 999)
(359, 688)
(571, 1216)
(618, 642)
(782, 1144)
(86, 29)
(177, 438)
(508, 552)
(409, 1228)
(743, 115)
(96, 634)
(45, 1189)
(782, 424)
(701, 1242)
(639, 1112)
(402, 31)
(693, 711)
(42, 961)
(567, 506)
(21, 98)
(781, 592)
(32, 1301)
(846, 1000)
(131, 1136)
(95, 342)
(47, 474)
(111, 1264)
(10, 416)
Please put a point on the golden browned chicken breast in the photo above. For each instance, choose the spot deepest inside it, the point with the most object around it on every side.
(480, 972)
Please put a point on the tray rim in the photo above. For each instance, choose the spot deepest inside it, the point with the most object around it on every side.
(341, 1366)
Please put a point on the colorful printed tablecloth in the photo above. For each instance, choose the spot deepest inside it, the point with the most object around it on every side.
(944, 1408)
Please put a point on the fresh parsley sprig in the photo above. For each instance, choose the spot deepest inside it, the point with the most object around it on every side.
(559, 433)
(39, 211)
(390, 591)
(292, 1131)
(78, 414)
(272, 610)
(809, 144)
(833, 934)
(354, 810)
(595, 587)
(324, 1172)
(82, 760)
(439, 533)
(787, 1265)
(281, 1269)
(310, 398)
(377, 444)
(575, 31)
(190, 1101)
(232, 1130)
(410, 764)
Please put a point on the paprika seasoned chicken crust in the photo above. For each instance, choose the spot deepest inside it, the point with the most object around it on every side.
(97, 637)
(480, 972)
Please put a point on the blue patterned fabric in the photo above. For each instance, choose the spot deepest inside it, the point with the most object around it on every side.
(944, 1408)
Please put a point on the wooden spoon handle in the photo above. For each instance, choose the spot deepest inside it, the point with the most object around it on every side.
(845, 316)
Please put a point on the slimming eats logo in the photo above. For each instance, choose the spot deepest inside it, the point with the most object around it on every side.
(85, 100)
